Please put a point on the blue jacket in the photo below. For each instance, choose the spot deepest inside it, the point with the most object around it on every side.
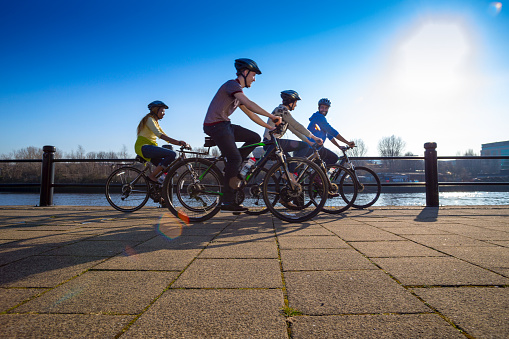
(319, 126)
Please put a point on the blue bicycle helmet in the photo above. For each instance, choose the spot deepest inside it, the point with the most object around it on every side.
(324, 101)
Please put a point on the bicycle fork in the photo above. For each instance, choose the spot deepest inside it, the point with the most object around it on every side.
(351, 167)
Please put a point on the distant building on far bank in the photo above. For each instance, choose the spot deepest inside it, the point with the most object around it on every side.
(500, 148)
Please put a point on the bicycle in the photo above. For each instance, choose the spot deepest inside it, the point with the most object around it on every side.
(342, 193)
(194, 189)
(128, 188)
(366, 180)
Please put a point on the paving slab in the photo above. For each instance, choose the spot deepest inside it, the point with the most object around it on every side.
(172, 241)
(102, 292)
(348, 292)
(231, 273)
(154, 259)
(62, 325)
(394, 249)
(362, 233)
(11, 297)
(311, 241)
(241, 250)
(330, 259)
(213, 314)
(44, 271)
(488, 257)
(303, 231)
(13, 252)
(441, 271)
(416, 229)
(241, 232)
(131, 234)
(481, 312)
(481, 233)
(440, 241)
(100, 248)
(381, 326)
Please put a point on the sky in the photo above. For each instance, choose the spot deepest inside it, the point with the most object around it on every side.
(81, 73)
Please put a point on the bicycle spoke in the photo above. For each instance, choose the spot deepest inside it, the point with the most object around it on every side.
(297, 200)
(127, 190)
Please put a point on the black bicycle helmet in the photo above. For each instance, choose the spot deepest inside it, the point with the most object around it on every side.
(243, 63)
(290, 96)
(157, 103)
(324, 101)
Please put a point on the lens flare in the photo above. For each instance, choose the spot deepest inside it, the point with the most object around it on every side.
(68, 296)
(495, 8)
(171, 227)
(130, 252)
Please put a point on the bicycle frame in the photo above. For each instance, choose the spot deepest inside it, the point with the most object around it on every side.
(258, 165)
(350, 166)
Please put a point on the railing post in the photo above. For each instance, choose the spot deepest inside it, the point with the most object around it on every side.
(431, 174)
(47, 176)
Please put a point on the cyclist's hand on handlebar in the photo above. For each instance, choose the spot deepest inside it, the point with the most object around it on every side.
(277, 120)
(351, 144)
(319, 141)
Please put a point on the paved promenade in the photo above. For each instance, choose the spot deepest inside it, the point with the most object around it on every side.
(401, 272)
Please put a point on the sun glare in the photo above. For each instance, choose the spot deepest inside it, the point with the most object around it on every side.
(495, 8)
(432, 59)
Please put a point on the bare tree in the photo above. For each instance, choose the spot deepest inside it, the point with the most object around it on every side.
(124, 154)
(391, 146)
(359, 150)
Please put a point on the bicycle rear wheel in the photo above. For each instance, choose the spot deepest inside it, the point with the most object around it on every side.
(342, 195)
(369, 187)
(193, 190)
(253, 196)
(127, 189)
(301, 202)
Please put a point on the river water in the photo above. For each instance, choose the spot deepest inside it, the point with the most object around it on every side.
(386, 199)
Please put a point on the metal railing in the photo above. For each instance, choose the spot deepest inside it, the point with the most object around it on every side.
(430, 158)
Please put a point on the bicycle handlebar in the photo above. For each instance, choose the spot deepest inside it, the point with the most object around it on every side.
(345, 148)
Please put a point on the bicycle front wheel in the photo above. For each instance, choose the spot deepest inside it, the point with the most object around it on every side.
(342, 194)
(127, 189)
(295, 202)
(368, 186)
(192, 190)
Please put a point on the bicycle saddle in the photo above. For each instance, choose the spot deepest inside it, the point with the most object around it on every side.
(209, 142)
(140, 159)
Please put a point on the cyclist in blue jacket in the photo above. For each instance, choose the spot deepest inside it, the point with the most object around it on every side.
(319, 126)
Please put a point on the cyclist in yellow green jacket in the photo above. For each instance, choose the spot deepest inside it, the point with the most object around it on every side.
(148, 133)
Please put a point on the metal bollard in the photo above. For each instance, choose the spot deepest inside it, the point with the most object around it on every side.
(47, 176)
(431, 174)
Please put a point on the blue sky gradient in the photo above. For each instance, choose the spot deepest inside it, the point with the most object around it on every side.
(82, 72)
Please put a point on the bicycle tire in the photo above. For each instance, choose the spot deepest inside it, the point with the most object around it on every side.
(342, 194)
(185, 198)
(124, 195)
(370, 192)
(292, 205)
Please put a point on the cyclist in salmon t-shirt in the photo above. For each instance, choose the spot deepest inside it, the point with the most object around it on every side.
(218, 126)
